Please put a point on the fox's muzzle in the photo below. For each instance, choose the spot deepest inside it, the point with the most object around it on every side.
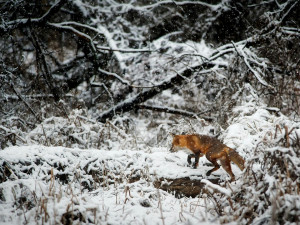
(172, 149)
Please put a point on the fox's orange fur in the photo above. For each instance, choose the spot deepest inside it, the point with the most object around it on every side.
(198, 145)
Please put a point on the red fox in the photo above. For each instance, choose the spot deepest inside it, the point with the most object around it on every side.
(198, 145)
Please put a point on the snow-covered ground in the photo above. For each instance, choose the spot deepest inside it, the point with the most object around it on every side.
(111, 204)
(50, 185)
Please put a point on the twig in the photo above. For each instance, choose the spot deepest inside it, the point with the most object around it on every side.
(127, 190)
(236, 49)
(116, 129)
(287, 137)
(276, 129)
(288, 11)
(123, 50)
(44, 132)
(118, 77)
(160, 207)
(23, 100)
(102, 85)
(194, 54)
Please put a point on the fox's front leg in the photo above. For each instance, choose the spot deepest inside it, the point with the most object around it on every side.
(196, 156)
(189, 158)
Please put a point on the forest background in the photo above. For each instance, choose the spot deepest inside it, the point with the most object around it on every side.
(105, 82)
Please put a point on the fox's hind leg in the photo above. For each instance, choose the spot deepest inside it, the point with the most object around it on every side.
(225, 163)
(217, 166)
(213, 160)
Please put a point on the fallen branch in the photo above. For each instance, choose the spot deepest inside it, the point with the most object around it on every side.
(175, 111)
(141, 97)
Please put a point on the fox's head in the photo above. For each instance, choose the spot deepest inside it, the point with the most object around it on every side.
(175, 143)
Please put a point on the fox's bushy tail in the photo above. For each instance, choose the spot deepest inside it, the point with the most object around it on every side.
(235, 158)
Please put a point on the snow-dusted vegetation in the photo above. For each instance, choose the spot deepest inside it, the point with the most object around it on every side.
(92, 91)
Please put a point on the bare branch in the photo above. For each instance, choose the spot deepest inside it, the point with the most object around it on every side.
(54, 9)
(75, 31)
(290, 31)
(287, 9)
(48, 76)
(246, 58)
(34, 21)
(181, 3)
(123, 50)
(119, 78)
(23, 100)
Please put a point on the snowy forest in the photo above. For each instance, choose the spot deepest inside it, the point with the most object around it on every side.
(91, 92)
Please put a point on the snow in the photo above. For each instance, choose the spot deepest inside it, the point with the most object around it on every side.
(212, 187)
(129, 159)
(112, 199)
(105, 173)
(57, 180)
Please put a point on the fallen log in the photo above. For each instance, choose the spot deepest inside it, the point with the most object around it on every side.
(183, 186)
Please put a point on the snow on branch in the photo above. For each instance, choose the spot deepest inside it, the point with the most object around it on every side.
(68, 23)
(123, 50)
(251, 57)
(290, 31)
(182, 3)
(69, 26)
(35, 21)
(121, 7)
(215, 187)
(10, 98)
(229, 48)
(288, 6)
(174, 111)
(174, 80)
(75, 31)
(118, 77)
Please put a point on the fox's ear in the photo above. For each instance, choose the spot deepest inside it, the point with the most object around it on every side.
(172, 134)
